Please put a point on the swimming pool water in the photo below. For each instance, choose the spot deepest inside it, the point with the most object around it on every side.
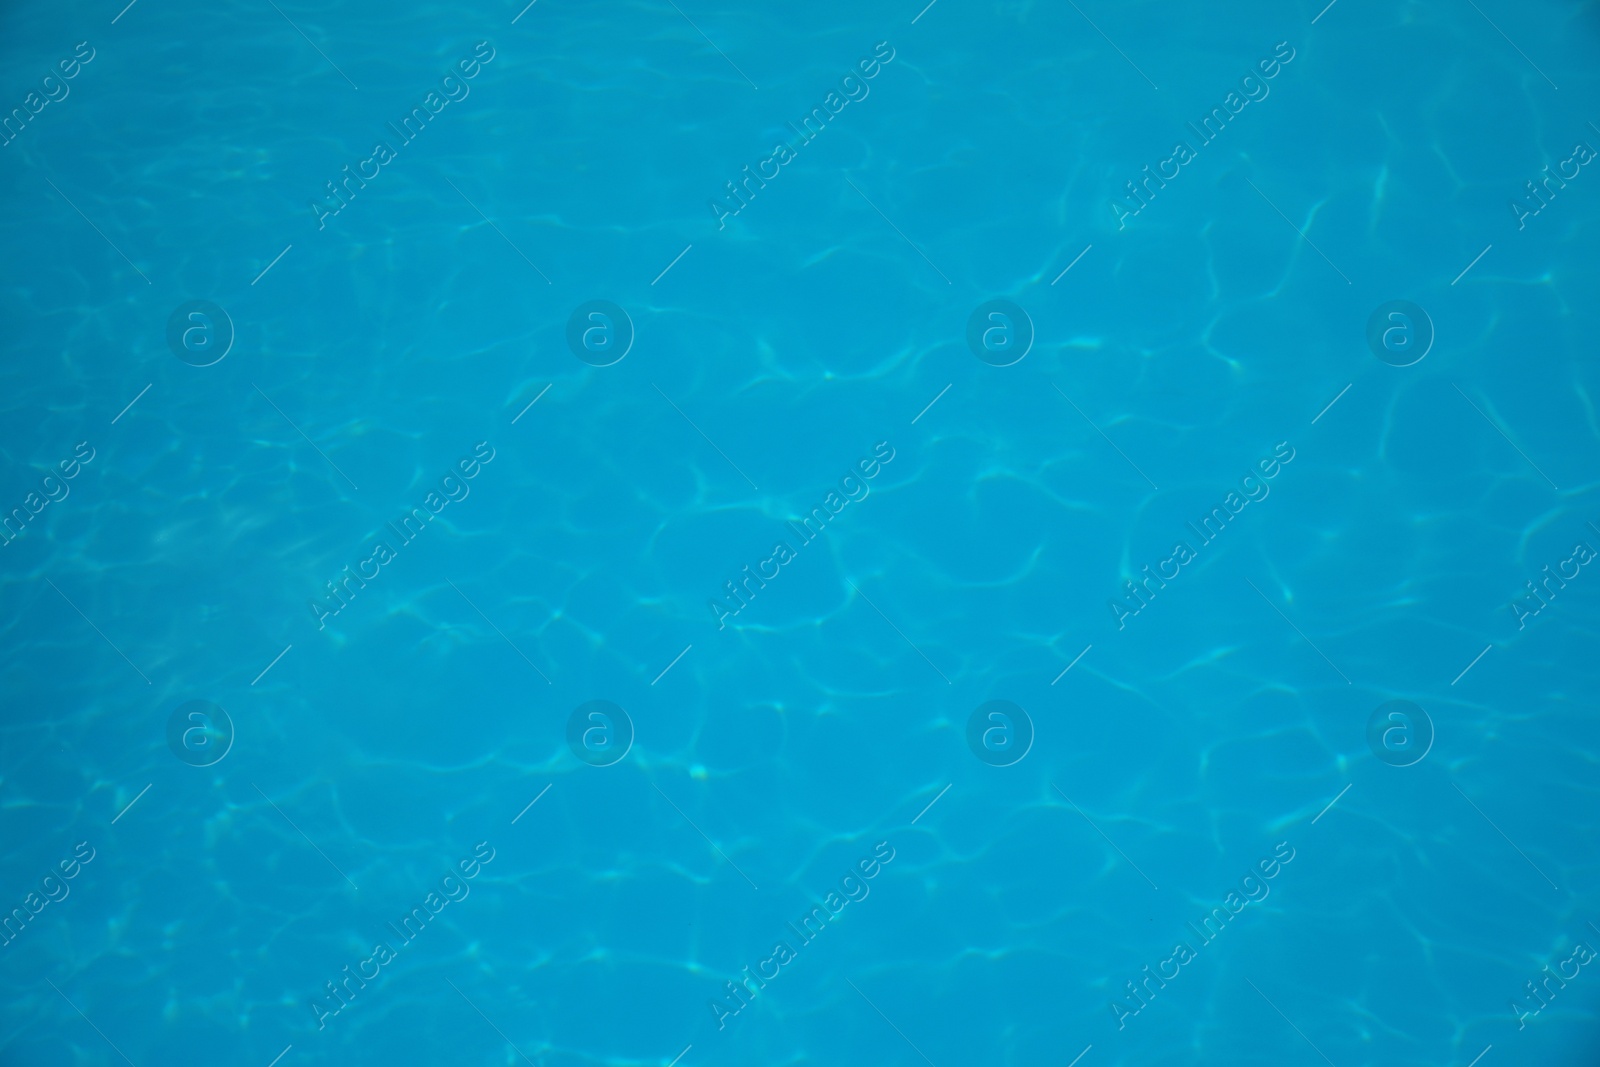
(672, 533)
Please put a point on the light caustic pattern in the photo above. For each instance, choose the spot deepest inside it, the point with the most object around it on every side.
(685, 533)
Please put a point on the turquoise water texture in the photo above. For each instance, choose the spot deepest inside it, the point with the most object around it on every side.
(670, 532)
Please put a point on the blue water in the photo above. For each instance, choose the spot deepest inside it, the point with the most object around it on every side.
(1199, 832)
